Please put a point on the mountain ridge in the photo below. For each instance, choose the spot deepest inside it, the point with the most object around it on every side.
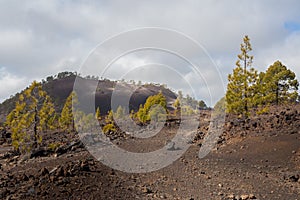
(60, 86)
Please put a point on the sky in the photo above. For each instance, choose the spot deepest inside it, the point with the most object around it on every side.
(42, 38)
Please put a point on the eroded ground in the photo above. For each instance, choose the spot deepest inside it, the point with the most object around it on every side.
(254, 159)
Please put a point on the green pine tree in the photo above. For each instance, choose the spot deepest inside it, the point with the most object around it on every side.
(176, 104)
(47, 115)
(220, 106)
(98, 114)
(110, 124)
(241, 83)
(84, 122)
(66, 120)
(32, 114)
(143, 113)
(109, 119)
(278, 85)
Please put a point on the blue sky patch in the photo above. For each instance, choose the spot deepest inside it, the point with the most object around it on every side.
(292, 26)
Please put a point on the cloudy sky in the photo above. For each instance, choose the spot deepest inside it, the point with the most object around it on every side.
(41, 38)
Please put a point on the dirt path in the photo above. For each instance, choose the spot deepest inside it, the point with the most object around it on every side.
(258, 167)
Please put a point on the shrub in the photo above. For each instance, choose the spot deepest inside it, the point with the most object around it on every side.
(53, 146)
(144, 114)
(108, 128)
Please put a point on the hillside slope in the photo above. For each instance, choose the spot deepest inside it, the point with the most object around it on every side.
(60, 86)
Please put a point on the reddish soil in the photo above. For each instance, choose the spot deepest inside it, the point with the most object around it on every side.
(256, 158)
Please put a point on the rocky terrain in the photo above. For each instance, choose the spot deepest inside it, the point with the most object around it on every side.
(255, 158)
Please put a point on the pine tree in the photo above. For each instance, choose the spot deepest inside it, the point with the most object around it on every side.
(220, 106)
(176, 104)
(143, 113)
(84, 122)
(202, 104)
(16, 121)
(98, 114)
(109, 117)
(47, 115)
(66, 120)
(110, 124)
(157, 113)
(31, 114)
(278, 85)
(158, 99)
(109, 128)
(234, 94)
(187, 110)
(120, 112)
(241, 83)
(260, 91)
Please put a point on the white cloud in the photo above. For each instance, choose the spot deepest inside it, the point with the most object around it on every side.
(42, 38)
(287, 51)
(10, 84)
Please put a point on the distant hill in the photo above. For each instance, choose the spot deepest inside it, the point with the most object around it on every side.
(60, 86)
